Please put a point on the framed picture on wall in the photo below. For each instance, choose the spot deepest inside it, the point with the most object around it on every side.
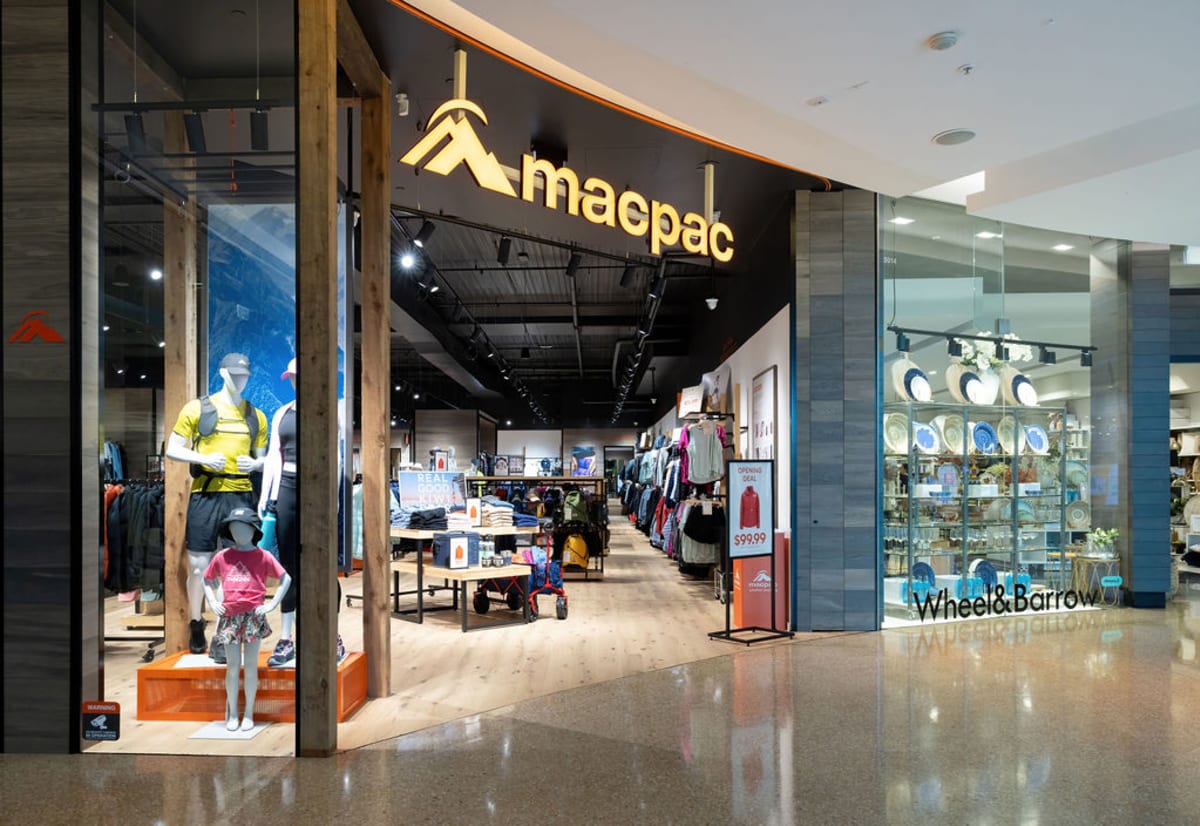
(763, 403)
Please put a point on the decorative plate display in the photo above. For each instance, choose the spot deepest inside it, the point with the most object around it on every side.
(923, 572)
(1036, 440)
(948, 475)
(1018, 389)
(1012, 438)
(1077, 473)
(952, 432)
(926, 438)
(986, 572)
(1190, 509)
(895, 432)
(1024, 511)
(964, 384)
(983, 437)
(910, 382)
(1079, 515)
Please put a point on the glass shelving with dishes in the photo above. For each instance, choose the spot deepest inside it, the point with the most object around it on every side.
(973, 497)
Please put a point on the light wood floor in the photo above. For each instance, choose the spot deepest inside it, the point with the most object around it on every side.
(643, 616)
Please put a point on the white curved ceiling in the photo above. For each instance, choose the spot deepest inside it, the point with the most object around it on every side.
(1087, 111)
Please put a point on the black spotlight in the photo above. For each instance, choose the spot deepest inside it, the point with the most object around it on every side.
(423, 233)
(627, 276)
(259, 141)
(135, 130)
(1085, 358)
(660, 285)
(524, 352)
(573, 264)
(954, 347)
(504, 250)
(902, 342)
(1002, 352)
(193, 124)
(1047, 356)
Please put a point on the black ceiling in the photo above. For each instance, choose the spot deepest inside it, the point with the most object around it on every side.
(564, 354)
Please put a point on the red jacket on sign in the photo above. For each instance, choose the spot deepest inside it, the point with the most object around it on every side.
(749, 516)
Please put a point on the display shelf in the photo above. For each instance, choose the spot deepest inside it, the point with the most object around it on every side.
(1018, 532)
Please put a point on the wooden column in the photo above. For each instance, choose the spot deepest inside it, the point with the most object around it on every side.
(179, 333)
(316, 390)
(376, 378)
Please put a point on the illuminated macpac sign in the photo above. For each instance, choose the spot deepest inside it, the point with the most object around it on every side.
(595, 199)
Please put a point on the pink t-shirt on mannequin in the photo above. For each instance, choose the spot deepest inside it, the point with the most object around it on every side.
(243, 576)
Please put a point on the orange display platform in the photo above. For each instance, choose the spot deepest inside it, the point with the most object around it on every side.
(165, 692)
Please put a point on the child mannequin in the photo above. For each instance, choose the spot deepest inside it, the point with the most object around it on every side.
(242, 571)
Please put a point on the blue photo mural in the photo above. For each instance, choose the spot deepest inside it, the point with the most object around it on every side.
(252, 296)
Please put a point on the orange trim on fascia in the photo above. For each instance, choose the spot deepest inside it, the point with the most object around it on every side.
(625, 110)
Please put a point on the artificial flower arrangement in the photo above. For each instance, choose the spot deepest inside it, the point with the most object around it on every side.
(1102, 536)
(981, 354)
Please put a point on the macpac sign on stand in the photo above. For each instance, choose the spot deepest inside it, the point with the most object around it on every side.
(426, 489)
(751, 508)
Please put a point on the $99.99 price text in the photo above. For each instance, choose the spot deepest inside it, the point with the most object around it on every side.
(749, 538)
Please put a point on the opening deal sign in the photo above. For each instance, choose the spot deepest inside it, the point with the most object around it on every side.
(751, 508)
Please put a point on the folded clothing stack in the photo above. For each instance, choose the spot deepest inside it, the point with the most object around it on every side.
(525, 520)
(457, 520)
(433, 519)
(497, 513)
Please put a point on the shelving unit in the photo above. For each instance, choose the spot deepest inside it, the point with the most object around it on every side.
(950, 506)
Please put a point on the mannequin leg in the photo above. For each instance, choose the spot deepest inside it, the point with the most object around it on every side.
(288, 624)
(233, 652)
(197, 564)
(251, 650)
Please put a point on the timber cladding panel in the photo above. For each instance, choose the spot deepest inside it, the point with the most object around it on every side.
(47, 206)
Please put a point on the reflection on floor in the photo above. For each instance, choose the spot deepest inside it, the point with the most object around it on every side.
(642, 616)
(1078, 718)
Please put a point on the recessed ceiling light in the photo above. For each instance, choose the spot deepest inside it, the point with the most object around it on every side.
(1063, 247)
(105, 328)
(819, 100)
(952, 137)
(988, 235)
(162, 344)
(156, 274)
(901, 220)
(407, 260)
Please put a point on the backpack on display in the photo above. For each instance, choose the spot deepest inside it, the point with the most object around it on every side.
(207, 425)
(575, 552)
(575, 507)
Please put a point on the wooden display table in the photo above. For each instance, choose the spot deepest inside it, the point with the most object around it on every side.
(165, 692)
(460, 577)
(408, 533)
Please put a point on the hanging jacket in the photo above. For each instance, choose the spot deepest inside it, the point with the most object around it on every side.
(749, 516)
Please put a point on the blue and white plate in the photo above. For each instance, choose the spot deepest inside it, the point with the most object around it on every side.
(1018, 389)
(983, 438)
(986, 571)
(1036, 440)
(910, 382)
(923, 572)
(925, 437)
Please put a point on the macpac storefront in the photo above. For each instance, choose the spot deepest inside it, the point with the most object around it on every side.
(193, 216)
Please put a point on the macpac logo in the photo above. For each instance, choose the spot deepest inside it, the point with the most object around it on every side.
(763, 577)
(32, 326)
(595, 199)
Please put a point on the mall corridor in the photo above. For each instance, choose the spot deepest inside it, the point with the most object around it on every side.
(1081, 717)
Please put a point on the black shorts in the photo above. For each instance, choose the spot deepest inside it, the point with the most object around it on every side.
(206, 512)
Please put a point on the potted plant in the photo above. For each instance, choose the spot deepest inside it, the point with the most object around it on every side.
(1100, 542)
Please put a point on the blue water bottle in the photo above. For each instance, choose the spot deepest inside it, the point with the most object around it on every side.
(268, 541)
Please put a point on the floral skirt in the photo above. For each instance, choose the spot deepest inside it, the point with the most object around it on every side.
(241, 628)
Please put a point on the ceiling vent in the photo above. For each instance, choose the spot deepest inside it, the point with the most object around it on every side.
(942, 41)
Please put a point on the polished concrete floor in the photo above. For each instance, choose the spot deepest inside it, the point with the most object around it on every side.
(1059, 719)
